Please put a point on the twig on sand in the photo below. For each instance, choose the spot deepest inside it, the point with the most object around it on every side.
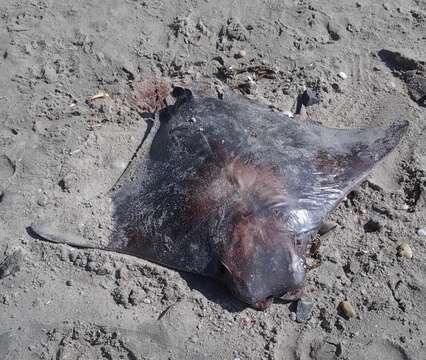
(99, 95)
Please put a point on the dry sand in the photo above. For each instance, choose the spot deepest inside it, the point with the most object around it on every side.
(59, 154)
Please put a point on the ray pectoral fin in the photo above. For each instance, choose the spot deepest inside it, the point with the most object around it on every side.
(354, 153)
(339, 161)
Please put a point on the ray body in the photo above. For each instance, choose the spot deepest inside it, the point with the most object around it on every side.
(230, 190)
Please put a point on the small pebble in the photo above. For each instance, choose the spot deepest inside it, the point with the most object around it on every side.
(421, 231)
(343, 75)
(404, 250)
(346, 309)
(303, 310)
(68, 283)
(242, 53)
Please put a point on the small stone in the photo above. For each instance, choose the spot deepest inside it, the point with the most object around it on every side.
(421, 231)
(240, 54)
(68, 283)
(343, 75)
(404, 250)
(346, 309)
(293, 316)
(303, 310)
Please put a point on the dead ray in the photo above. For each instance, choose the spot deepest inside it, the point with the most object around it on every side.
(228, 189)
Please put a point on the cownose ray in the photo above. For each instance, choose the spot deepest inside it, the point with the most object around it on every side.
(228, 189)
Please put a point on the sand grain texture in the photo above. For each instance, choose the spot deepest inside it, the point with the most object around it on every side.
(60, 153)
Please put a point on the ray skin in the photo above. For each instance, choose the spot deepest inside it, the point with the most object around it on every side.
(228, 189)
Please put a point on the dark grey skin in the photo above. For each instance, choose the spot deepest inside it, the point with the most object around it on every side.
(230, 190)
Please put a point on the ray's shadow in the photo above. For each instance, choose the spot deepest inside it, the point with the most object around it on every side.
(213, 291)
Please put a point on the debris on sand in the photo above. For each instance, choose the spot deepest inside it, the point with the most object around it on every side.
(99, 95)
